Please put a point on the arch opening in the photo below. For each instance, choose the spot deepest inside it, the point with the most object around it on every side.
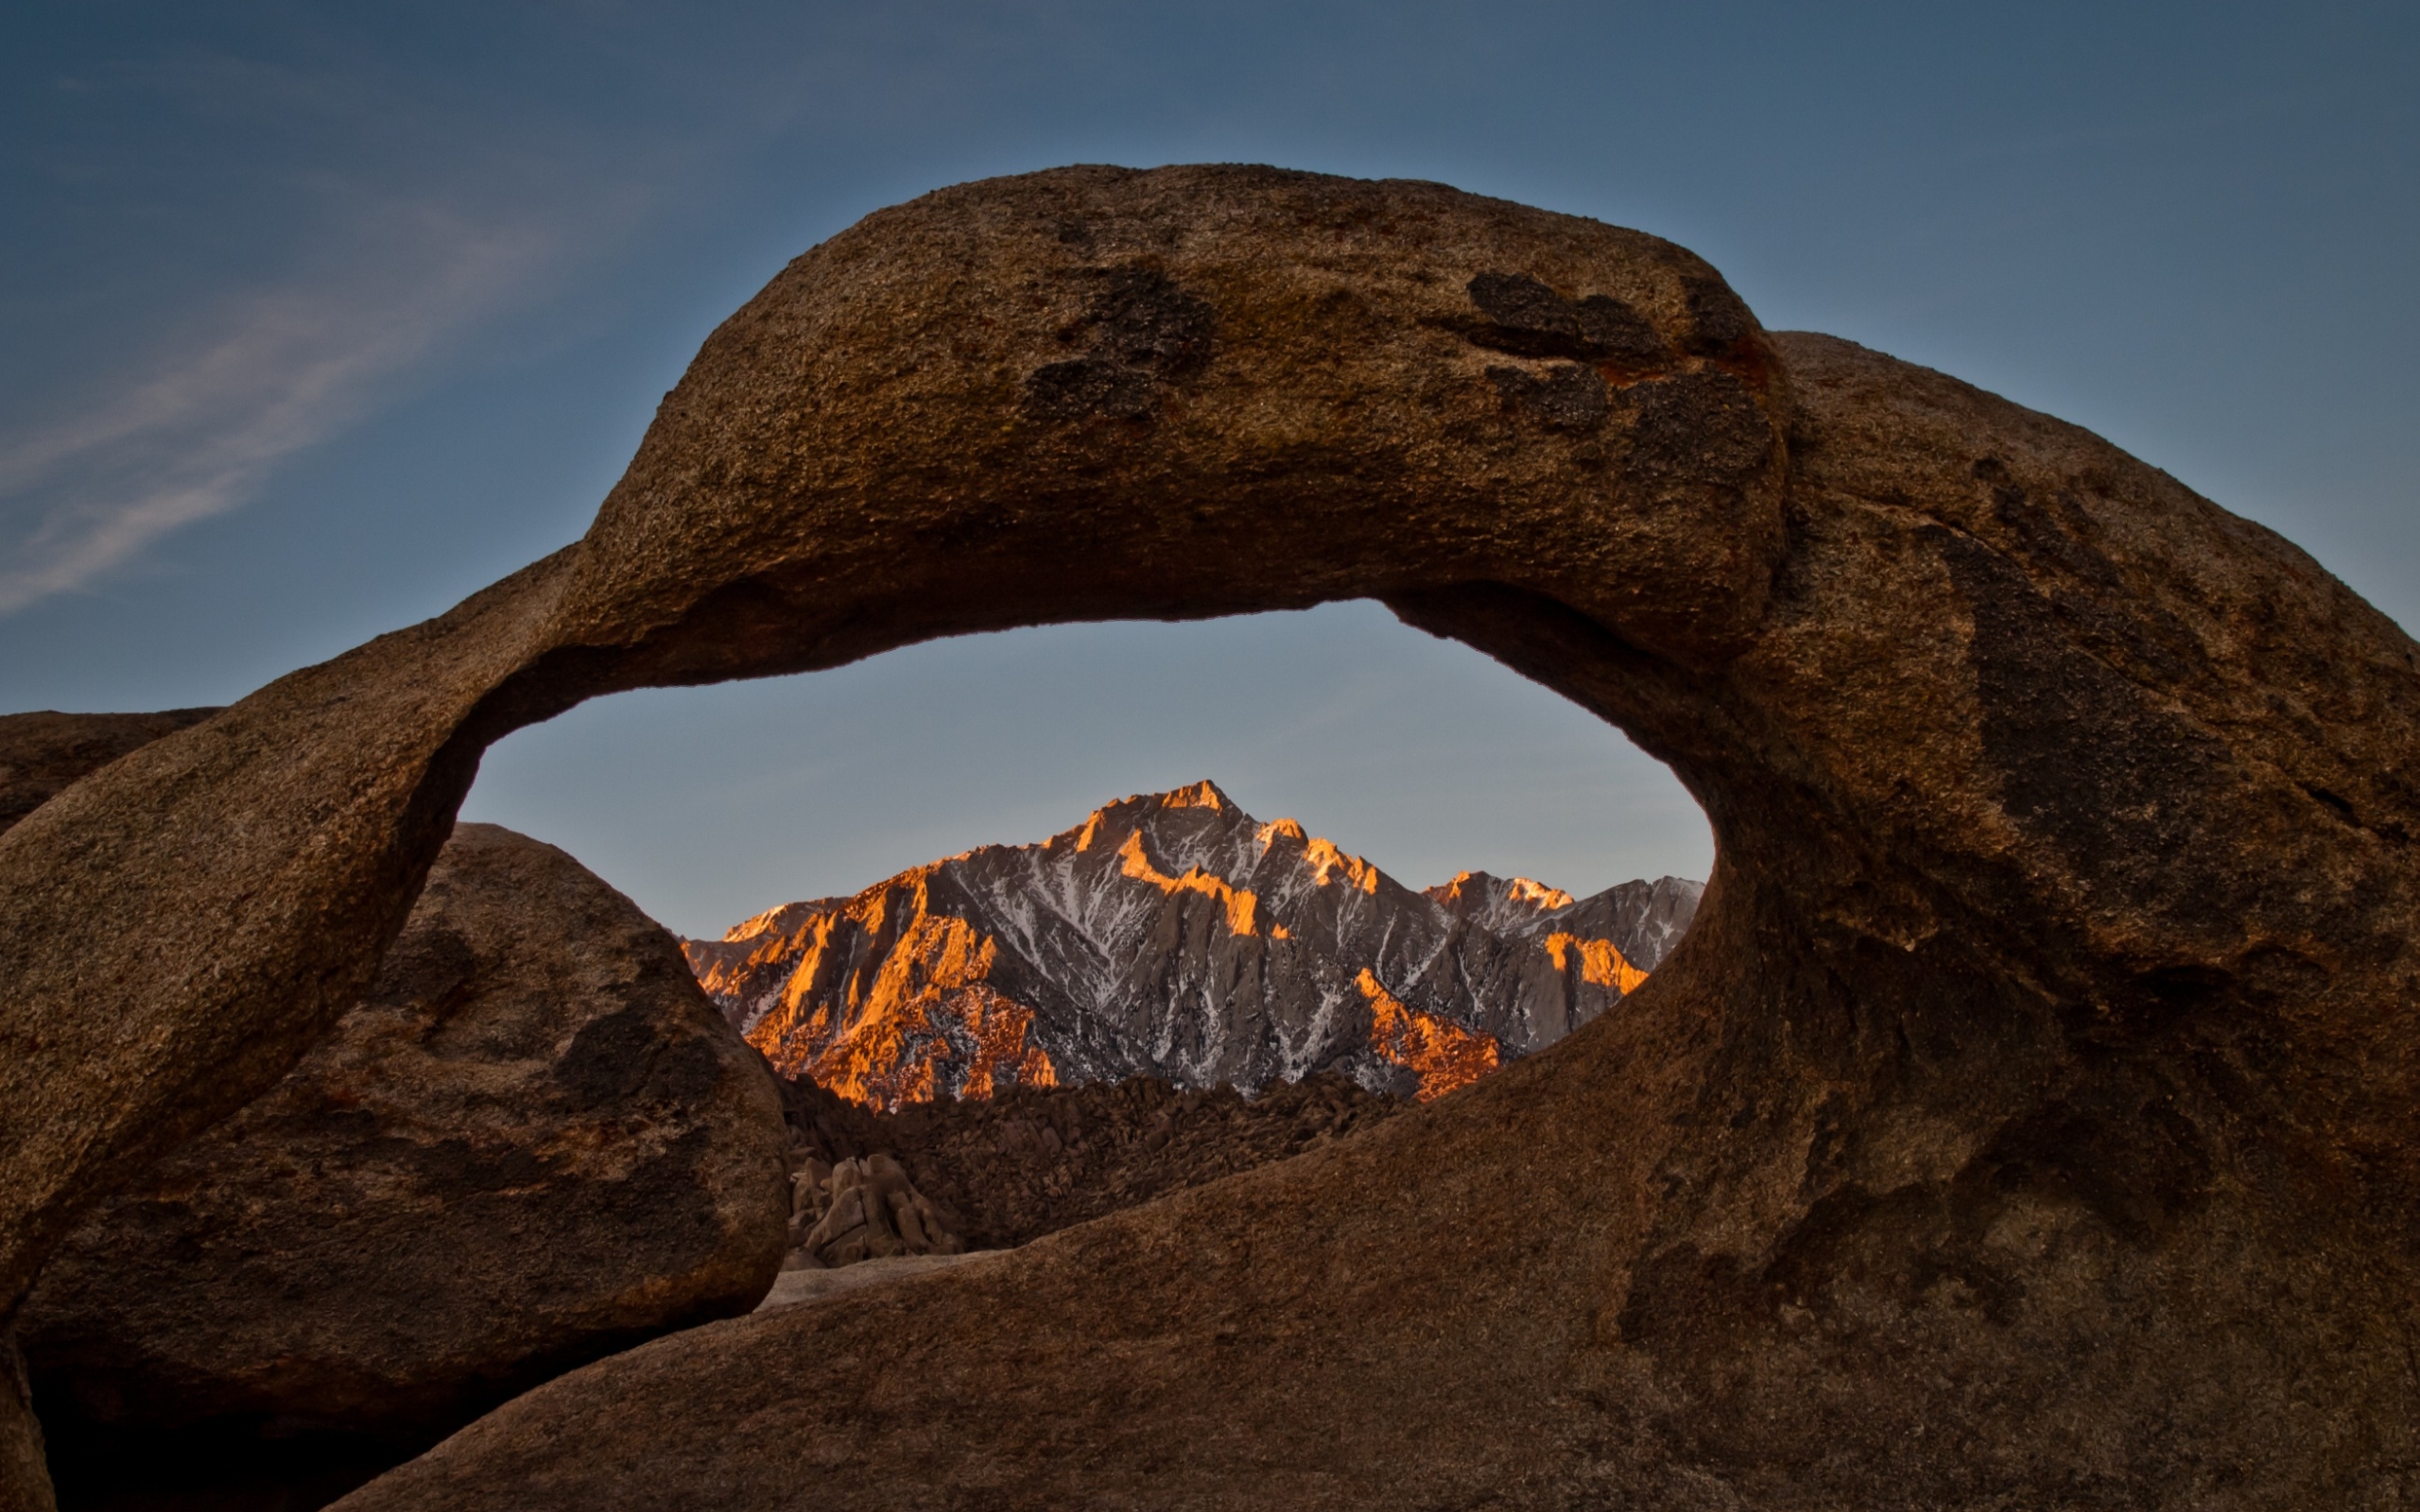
(1525, 865)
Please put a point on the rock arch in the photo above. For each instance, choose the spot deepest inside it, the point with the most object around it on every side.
(2029, 1116)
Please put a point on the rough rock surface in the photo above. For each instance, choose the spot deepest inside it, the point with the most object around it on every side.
(531, 1145)
(40, 754)
(2027, 1119)
(43, 752)
(25, 1481)
(864, 1210)
(1006, 1170)
(1172, 934)
(792, 1287)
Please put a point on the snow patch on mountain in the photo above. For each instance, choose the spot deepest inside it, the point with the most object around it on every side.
(1173, 934)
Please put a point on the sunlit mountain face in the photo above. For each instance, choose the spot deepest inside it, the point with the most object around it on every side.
(1173, 934)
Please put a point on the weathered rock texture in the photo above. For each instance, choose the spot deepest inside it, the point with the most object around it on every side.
(1173, 934)
(1008, 1169)
(860, 1211)
(2027, 1120)
(793, 1287)
(41, 753)
(534, 1143)
(25, 1479)
(996, 1172)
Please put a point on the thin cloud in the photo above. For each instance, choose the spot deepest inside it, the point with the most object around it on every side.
(274, 372)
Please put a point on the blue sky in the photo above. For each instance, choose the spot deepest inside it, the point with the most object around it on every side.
(315, 319)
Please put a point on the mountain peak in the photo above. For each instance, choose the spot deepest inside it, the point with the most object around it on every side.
(1173, 934)
(1202, 794)
(1524, 890)
(774, 921)
(1498, 903)
(1140, 809)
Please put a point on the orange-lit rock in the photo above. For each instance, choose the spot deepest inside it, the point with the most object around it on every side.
(1174, 935)
(1443, 1054)
(1495, 897)
(1241, 904)
(1331, 867)
(878, 997)
(1600, 961)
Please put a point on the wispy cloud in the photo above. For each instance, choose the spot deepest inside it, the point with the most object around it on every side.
(197, 430)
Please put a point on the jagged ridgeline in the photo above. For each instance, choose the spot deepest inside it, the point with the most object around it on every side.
(1173, 934)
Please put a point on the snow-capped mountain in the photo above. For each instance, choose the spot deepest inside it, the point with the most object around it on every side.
(1175, 935)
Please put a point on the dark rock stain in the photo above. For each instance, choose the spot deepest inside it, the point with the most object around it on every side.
(1145, 333)
(2087, 763)
(1718, 320)
(2121, 1149)
(1567, 398)
(1089, 385)
(1696, 426)
(2051, 532)
(2091, 597)
(1143, 319)
(1533, 321)
(624, 1058)
(455, 1166)
(428, 971)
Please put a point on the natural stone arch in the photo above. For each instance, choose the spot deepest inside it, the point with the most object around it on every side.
(2028, 1116)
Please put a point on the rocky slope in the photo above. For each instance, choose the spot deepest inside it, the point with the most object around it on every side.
(1174, 935)
(1006, 1170)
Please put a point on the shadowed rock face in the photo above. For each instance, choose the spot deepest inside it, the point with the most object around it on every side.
(2028, 1117)
(1006, 1170)
(534, 1143)
(41, 753)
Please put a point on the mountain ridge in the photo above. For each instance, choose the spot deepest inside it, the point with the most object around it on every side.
(1174, 934)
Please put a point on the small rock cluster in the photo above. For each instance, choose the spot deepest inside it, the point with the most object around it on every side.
(860, 1209)
(996, 1173)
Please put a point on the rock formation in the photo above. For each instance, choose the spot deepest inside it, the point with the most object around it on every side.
(864, 1210)
(41, 753)
(531, 1145)
(1006, 1170)
(1175, 935)
(2028, 1118)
